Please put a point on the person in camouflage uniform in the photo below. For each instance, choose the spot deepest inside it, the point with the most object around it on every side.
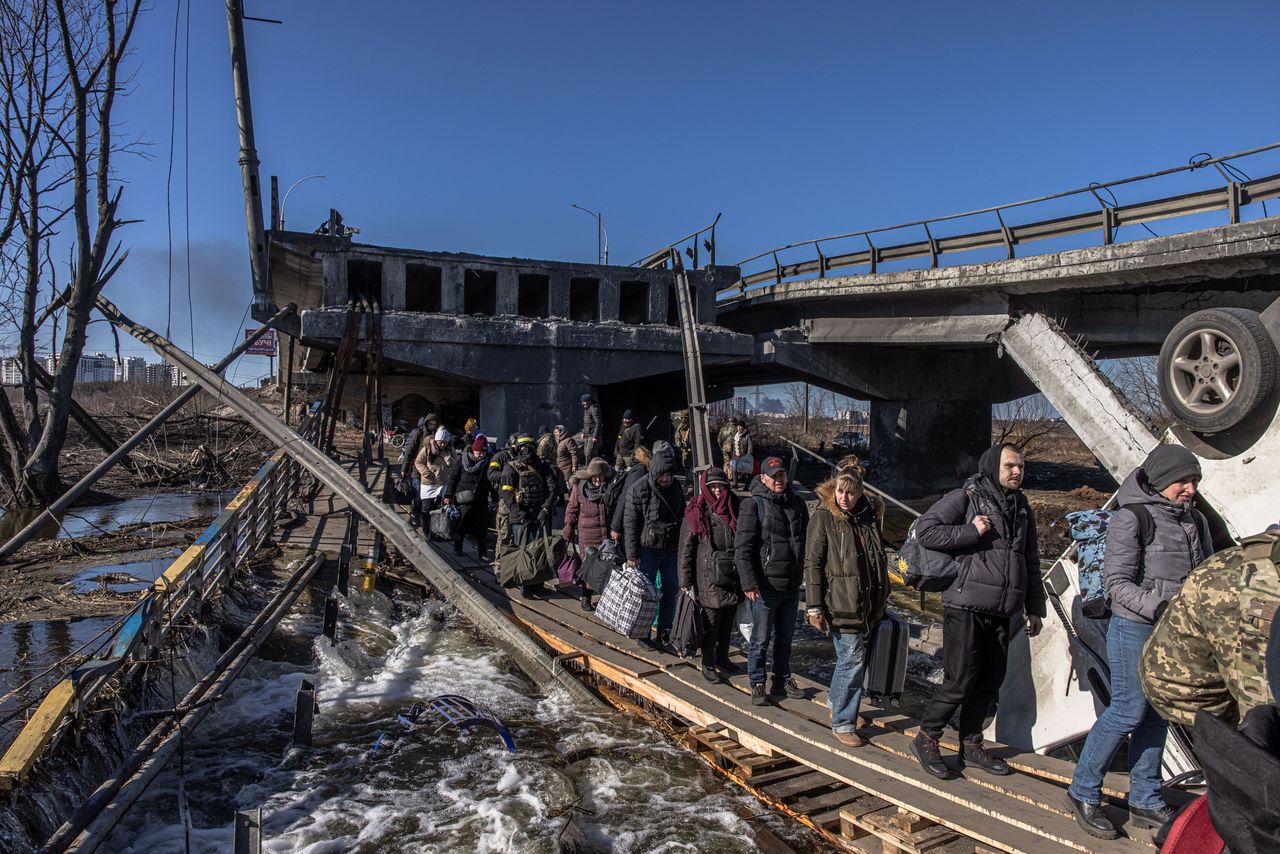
(1209, 650)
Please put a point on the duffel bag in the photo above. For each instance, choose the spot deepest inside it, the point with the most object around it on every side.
(444, 522)
(595, 570)
(629, 603)
(534, 562)
(567, 569)
(688, 627)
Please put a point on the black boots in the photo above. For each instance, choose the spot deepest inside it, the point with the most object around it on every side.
(976, 754)
(586, 602)
(1093, 819)
(925, 748)
(1151, 819)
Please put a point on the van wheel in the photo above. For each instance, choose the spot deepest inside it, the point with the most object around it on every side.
(1216, 368)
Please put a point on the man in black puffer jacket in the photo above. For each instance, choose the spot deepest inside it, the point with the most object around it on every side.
(651, 530)
(769, 554)
(988, 527)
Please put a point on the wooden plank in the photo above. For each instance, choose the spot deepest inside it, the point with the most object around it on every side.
(830, 802)
(799, 785)
(25, 749)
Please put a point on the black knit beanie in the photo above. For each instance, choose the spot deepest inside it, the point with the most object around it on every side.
(1167, 464)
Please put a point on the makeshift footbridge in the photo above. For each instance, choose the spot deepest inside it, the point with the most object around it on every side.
(874, 798)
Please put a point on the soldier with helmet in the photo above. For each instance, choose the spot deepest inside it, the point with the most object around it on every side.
(528, 490)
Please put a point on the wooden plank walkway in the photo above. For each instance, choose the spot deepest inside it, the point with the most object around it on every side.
(874, 798)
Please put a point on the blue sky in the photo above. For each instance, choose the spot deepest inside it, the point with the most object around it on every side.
(473, 127)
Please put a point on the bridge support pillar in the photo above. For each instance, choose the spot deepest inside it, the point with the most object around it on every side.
(927, 445)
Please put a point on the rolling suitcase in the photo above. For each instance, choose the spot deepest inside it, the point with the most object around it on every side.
(887, 658)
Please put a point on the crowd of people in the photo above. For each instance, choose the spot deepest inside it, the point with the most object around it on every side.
(1182, 635)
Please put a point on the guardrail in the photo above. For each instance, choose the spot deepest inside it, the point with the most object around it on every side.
(197, 573)
(1238, 191)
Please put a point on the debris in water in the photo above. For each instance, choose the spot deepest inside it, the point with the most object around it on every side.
(457, 710)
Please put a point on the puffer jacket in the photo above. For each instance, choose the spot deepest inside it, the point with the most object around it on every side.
(706, 563)
(648, 502)
(1140, 578)
(999, 571)
(568, 457)
(769, 553)
(618, 521)
(586, 519)
(436, 470)
(592, 426)
(844, 563)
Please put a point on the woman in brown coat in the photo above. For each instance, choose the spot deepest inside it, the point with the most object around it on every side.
(847, 587)
(586, 515)
(705, 564)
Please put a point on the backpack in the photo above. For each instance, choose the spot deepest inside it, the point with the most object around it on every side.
(925, 569)
(1089, 531)
(687, 629)
(613, 492)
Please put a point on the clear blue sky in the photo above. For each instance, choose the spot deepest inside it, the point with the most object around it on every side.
(472, 127)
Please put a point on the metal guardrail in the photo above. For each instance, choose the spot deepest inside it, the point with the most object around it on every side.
(1237, 192)
(660, 258)
(197, 573)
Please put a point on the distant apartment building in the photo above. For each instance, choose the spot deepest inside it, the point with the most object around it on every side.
(98, 368)
(131, 370)
(10, 371)
(164, 374)
(722, 410)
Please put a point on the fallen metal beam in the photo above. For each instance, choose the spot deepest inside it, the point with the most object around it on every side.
(461, 594)
(82, 486)
(90, 826)
(695, 387)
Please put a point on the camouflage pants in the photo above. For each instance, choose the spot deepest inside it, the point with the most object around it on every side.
(504, 527)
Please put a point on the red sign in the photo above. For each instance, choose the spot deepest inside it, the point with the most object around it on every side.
(264, 346)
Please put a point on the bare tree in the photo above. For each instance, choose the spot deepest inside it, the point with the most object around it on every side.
(1135, 377)
(60, 64)
(1026, 423)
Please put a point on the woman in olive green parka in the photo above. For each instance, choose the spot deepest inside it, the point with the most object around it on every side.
(846, 587)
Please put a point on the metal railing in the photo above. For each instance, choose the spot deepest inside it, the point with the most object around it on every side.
(187, 583)
(1238, 191)
(662, 257)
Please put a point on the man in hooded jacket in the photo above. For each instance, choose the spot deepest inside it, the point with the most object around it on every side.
(654, 510)
(988, 527)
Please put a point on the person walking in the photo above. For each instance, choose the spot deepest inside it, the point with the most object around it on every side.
(742, 449)
(630, 435)
(436, 465)
(684, 441)
(653, 512)
(546, 446)
(769, 554)
(529, 492)
(724, 438)
(618, 513)
(846, 585)
(989, 528)
(586, 515)
(705, 565)
(1154, 540)
(568, 457)
(471, 490)
(592, 428)
(408, 456)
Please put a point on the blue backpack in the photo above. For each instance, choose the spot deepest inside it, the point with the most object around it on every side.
(1089, 530)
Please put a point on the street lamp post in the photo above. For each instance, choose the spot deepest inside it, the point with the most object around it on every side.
(602, 250)
(290, 190)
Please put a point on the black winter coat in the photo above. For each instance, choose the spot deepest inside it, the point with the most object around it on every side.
(706, 564)
(771, 555)
(648, 502)
(999, 571)
(618, 519)
(475, 481)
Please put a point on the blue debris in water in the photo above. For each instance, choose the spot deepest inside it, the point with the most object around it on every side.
(457, 710)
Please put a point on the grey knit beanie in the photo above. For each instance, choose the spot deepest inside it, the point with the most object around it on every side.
(1167, 464)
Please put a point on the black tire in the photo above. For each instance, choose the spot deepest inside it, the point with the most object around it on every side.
(1216, 368)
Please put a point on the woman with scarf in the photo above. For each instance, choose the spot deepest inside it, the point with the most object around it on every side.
(586, 515)
(705, 563)
(470, 490)
(846, 586)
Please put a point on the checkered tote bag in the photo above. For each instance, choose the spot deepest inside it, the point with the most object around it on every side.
(629, 603)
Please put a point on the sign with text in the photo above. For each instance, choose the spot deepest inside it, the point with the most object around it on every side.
(264, 346)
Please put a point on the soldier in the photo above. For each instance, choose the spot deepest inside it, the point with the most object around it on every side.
(630, 435)
(1208, 651)
(496, 466)
(725, 439)
(529, 491)
(684, 445)
(592, 427)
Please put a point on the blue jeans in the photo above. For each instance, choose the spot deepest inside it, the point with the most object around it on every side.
(845, 694)
(660, 568)
(1128, 715)
(773, 617)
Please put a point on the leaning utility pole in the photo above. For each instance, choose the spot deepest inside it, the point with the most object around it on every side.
(262, 303)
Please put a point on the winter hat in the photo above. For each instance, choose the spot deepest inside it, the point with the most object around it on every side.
(717, 475)
(598, 468)
(480, 444)
(626, 415)
(586, 398)
(1168, 464)
(772, 466)
(443, 435)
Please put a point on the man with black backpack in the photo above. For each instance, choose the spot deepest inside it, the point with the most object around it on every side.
(769, 554)
(651, 529)
(988, 527)
(1153, 542)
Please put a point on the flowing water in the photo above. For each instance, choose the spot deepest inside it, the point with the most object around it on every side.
(104, 518)
(623, 784)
